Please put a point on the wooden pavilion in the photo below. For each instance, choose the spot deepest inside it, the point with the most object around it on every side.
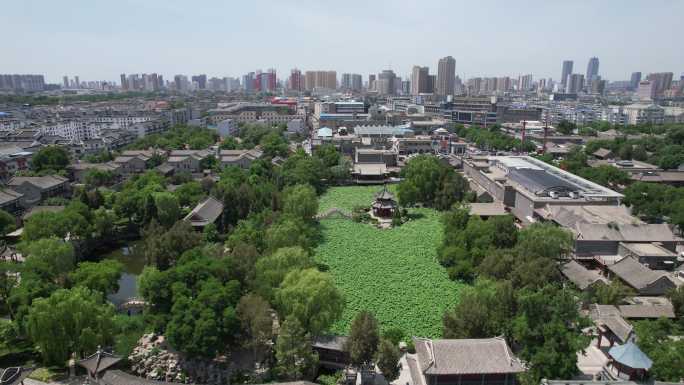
(385, 204)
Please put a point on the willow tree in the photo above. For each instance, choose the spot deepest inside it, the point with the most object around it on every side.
(70, 321)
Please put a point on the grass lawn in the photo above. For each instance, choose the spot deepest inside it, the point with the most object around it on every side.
(393, 273)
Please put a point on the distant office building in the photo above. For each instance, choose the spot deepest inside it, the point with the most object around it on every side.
(77, 83)
(575, 83)
(446, 74)
(371, 82)
(646, 90)
(565, 72)
(201, 81)
(634, 80)
(346, 83)
(406, 87)
(385, 82)
(503, 84)
(431, 83)
(181, 83)
(22, 83)
(662, 81)
(266, 81)
(598, 86)
(592, 69)
(320, 79)
(248, 82)
(65, 80)
(357, 82)
(525, 82)
(419, 80)
(295, 82)
(458, 86)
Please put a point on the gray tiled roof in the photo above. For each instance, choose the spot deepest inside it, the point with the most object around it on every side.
(43, 182)
(466, 356)
(646, 311)
(8, 195)
(99, 362)
(580, 276)
(635, 274)
(622, 232)
(330, 342)
(205, 212)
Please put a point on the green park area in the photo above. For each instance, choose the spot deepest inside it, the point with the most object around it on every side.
(394, 273)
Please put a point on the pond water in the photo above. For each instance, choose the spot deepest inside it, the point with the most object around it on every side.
(132, 257)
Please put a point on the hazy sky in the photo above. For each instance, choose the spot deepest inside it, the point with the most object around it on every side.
(99, 39)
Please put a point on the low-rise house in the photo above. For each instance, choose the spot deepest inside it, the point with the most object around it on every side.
(41, 209)
(569, 216)
(487, 210)
(206, 212)
(604, 239)
(603, 153)
(35, 189)
(12, 159)
(582, 277)
(332, 351)
(188, 160)
(651, 254)
(610, 325)
(134, 161)
(644, 280)
(240, 158)
(10, 201)
(486, 361)
(79, 171)
(646, 311)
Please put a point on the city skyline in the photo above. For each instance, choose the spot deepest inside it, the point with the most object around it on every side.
(99, 42)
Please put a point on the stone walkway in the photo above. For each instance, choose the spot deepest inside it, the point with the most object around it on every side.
(78, 380)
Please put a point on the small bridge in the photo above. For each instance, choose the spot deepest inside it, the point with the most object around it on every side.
(334, 213)
(132, 305)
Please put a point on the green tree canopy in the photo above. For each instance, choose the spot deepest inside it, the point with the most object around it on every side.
(70, 321)
(300, 201)
(484, 310)
(167, 208)
(270, 271)
(255, 317)
(50, 158)
(548, 328)
(49, 258)
(295, 358)
(100, 276)
(364, 336)
(310, 296)
(428, 181)
(388, 359)
(7, 222)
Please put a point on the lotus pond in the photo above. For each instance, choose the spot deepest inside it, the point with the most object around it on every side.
(393, 273)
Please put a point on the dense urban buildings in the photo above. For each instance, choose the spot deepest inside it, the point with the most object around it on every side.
(22, 83)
